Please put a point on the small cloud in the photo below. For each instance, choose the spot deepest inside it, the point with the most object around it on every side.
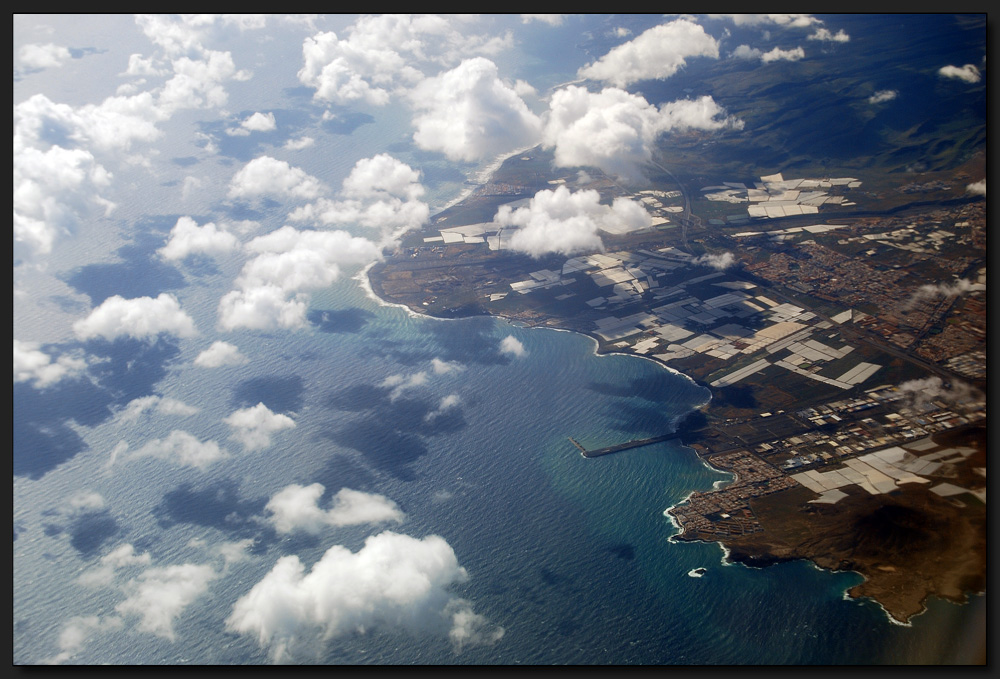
(87, 502)
(269, 177)
(182, 448)
(77, 631)
(104, 573)
(160, 595)
(299, 144)
(296, 508)
(446, 404)
(158, 404)
(33, 365)
(511, 345)
(43, 56)
(220, 354)
(441, 366)
(778, 54)
(977, 188)
(824, 34)
(187, 238)
(882, 96)
(968, 73)
(253, 426)
(399, 383)
(720, 261)
(140, 318)
(550, 19)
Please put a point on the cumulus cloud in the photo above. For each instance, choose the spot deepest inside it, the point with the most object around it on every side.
(380, 193)
(259, 122)
(615, 130)
(187, 238)
(441, 366)
(468, 113)
(296, 508)
(158, 404)
(511, 345)
(289, 262)
(299, 144)
(181, 448)
(160, 595)
(447, 403)
(269, 177)
(977, 188)
(550, 19)
(968, 73)
(784, 20)
(882, 96)
(564, 222)
(655, 54)
(944, 290)
(254, 426)
(922, 391)
(469, 628)
(720, 261)
(778, 54)
(220, 354)
(31, 364)
(824, 34)
(388, 53)
(400, 383)
(77, 631)
(393, 581)
(43, 56)
(104, 573)
(141, 318)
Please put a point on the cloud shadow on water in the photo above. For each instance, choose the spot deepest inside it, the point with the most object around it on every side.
(279, 394)
(382, 447)
(91, 530)
(350, 320)
(469, 340)
(139, 274)
(43, 438)
(217, 505)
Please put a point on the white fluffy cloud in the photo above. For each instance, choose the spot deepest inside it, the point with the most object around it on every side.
(141, 318)
(720, 261)
(969, 73)
(786, 20)
(43, 56)
(103, 574)
(444, 405)
(564, 222)
(269, 177)
(289, 262)
(254, 426)
(387, 53)
(160, 595)
(260, 122)
(825, 35)
(77, 631)
(511, 345)
(299, 144)
(882, 96)
(468, 113)
(778, 54)
(615, 130)
(181, 448)
(550, 19)
(220, 354)
(657, 53)
(158, 404)
(34, 365)
(380, 193)
(187, 238)
(400, 383)
(392, 581)
(441, 366)
(977, 188)
(296, 507)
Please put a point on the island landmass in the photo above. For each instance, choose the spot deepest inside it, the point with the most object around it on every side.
(847, 395)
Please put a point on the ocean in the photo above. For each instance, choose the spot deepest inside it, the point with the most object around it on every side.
(570, 556)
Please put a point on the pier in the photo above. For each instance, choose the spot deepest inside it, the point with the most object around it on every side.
(622, 446)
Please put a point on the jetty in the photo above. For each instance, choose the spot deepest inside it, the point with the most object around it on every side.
(623, 446)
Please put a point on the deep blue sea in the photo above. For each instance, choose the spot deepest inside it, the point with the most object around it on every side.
(570, 556)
